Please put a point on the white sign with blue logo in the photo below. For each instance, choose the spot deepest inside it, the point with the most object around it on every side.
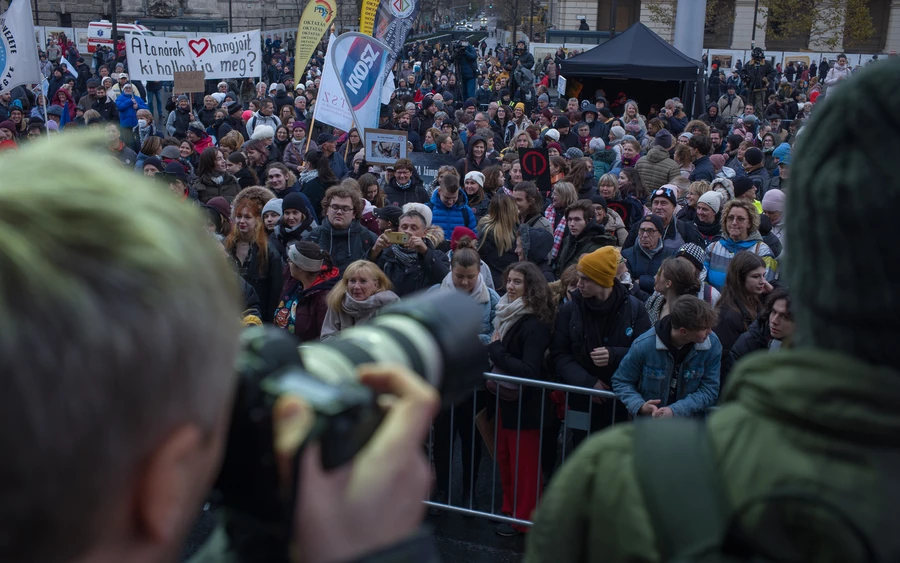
(19, 62)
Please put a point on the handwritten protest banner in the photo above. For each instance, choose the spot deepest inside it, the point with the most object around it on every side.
(233, 55)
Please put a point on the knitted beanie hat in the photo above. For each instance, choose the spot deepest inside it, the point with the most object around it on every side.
(273, 205)
(600, 265)
(712, 199)
(834, 306)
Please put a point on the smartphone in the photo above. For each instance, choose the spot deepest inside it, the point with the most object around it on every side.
(397, 238)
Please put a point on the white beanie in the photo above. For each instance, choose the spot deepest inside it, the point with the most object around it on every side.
(597, 144)
(262, 132)
(476, 176)
(421, 209)
(553, 134)
(713, 200)
(617, 132)
(273, 205)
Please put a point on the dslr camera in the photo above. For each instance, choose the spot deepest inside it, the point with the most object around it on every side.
(435, 335)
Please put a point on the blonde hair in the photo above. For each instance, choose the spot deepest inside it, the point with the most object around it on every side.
(566, 192)
(610, 180)
(502, 221)
(336, 295)
(699, 188)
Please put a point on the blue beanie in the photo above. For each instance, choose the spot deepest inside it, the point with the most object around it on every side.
(783, 153)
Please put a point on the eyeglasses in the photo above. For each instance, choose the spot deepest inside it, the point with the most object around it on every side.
(340, 208)
(736, 219)
(647, 231)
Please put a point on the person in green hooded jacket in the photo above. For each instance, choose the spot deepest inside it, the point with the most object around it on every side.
(824, 414)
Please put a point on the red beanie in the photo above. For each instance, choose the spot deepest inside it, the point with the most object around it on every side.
(460, 232)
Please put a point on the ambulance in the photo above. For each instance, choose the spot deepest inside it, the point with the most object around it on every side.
(100, 33)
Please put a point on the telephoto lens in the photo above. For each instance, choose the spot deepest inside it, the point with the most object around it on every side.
(435, 335)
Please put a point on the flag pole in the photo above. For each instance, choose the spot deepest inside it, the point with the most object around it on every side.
(309, 136)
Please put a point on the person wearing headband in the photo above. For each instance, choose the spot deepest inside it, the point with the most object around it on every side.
(304, 300)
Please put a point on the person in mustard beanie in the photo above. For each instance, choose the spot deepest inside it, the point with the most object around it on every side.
(808, 435)
(593, 332)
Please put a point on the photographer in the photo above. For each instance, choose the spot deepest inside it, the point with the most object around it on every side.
(121, 405)
(465, 57)
(758, 75)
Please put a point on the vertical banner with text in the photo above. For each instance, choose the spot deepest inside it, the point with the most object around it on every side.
(360, 64)
(316, 18)
(367, 16)
(393, 20)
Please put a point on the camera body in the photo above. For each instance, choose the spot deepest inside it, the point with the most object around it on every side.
(435, 335)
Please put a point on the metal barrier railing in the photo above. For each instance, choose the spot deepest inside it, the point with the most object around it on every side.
(573, 420)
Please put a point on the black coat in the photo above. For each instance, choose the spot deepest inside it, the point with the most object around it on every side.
(497, 262)
(521, 354)
(429, 269)
(686, 231)
(268, 284)
(346, 246)
(756, 338)
(569, 354)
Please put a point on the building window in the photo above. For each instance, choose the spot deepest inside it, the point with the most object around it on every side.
(880, 12)
(787, 33)
(65, 20)
(719, 24)
(628, 12)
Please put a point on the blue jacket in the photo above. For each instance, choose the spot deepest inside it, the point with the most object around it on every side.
(643, 268)
(127, 111)
(646, 372)
(448, 218)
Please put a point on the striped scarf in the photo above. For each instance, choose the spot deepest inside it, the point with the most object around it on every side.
(558, 233)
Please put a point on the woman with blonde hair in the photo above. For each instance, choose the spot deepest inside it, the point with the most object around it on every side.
(695, 190)
(361, 293)
(563, 195)
(521, 140)
(497, 236)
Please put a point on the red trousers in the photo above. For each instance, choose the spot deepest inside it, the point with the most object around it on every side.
(519, 489)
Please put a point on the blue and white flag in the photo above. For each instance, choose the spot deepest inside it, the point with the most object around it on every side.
(359, 62)
(19, 63)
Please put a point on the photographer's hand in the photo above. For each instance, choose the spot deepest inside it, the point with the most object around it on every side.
(375, 501)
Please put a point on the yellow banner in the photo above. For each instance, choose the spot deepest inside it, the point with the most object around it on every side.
(317, 17)
(367, 16)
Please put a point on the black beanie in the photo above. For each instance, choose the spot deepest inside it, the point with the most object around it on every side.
(294, 201)
(562, 121)
(835, 307)
(753, 156)
(656, 220)
(742, 185)
(599, 199)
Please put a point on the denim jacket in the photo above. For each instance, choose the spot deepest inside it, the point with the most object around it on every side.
(647, 369)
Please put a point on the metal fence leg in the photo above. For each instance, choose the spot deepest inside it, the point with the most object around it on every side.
(590, 416)
(450, 463)
(494, 463)
(515, 491)
(472, 468)
(565, 430)
(540, 479)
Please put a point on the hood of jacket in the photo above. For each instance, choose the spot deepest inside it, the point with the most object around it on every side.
(593, 231)
(536, 243)
(472, 140)
(326, 280)
(605, 155)
(657, 155)
(811, 387)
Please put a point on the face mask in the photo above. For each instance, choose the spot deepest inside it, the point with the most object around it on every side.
(142, 123)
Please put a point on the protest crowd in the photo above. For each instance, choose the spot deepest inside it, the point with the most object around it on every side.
(649, 266)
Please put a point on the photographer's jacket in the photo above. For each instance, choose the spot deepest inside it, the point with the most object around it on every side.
(410, 271)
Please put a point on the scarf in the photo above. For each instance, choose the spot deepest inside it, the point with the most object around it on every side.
(308, 176)
(144, 132)
(599, 318)
(406, 256)
(429, 147)
(508, 314)
(357, 309)
(709, 230)
(299, 143)
(479, 293)
(558, 233)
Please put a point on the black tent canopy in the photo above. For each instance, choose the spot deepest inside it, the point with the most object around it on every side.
(637, 52)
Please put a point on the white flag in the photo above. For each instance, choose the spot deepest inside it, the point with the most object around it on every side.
(331, 105)
(19, 62)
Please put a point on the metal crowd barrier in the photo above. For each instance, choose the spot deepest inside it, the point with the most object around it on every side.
(574, 420)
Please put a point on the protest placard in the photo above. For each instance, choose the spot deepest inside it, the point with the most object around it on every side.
(234, 55)
(384, 146)
(428, 164)
(188, 82)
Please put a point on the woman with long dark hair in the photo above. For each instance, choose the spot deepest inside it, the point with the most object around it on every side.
(248, 246)
(580, 177)
(742, 298)
(303, 304)
(674, 279)
(315, 179)
(212, 178)
(350, 147)
(497, 236)
(523, 326)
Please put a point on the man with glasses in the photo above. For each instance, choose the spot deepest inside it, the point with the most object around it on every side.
(341, 234)
(675, 231)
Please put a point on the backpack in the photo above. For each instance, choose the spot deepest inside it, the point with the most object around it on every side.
(692, 519)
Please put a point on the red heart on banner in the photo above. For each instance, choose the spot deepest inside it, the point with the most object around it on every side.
(198, 46)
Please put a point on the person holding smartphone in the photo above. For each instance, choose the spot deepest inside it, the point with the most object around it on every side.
(414, 264)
